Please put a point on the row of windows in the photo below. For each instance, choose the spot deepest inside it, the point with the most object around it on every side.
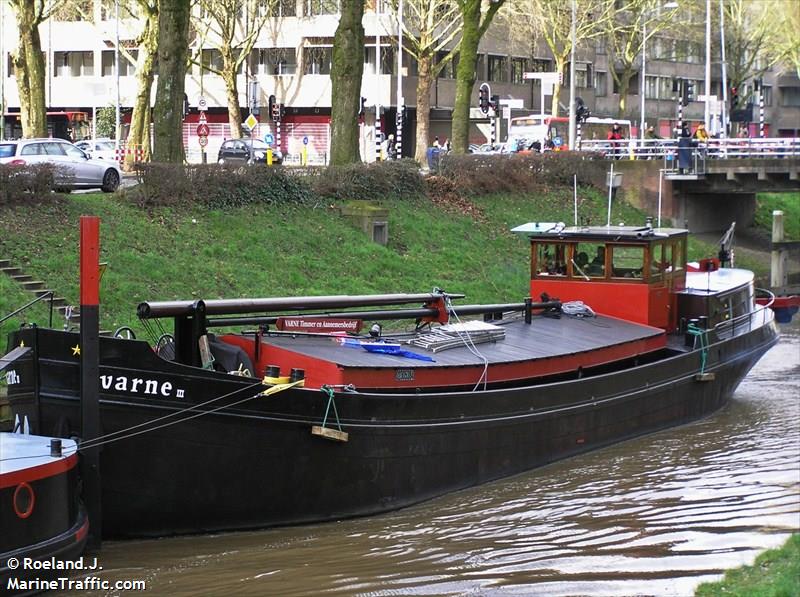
(83, 10)
(317, 61)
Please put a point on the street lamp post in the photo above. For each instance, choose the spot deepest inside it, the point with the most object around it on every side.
(643, 83)
(117, 135)
(573, 42)
(724, 111)
(707, 111)
(2, 73)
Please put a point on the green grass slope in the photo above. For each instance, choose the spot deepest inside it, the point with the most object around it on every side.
(284, 250)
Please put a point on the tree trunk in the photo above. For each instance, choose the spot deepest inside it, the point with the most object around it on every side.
(232, 94)
(139, 133)
(424, 84)
(173, 54)
(624, 85)
(346, 74)
(561, 65)
(465, 75)
(30, 72)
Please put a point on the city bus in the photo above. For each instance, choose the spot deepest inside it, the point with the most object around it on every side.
(552, 132)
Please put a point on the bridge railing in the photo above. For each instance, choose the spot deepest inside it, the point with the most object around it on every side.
(667, 149)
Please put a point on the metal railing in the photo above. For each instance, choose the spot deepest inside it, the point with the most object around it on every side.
(45, 295)
(666, 149)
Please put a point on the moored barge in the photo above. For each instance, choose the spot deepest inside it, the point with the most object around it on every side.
(259, 412)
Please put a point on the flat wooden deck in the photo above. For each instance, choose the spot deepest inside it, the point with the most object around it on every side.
(544, 338)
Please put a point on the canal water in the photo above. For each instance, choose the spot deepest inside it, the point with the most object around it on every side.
(653, 516)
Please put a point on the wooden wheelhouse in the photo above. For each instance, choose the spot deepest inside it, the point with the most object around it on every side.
(627, 272)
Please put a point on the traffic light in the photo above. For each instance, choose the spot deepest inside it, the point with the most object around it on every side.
(495, 103)
(483, 98)
(271, 102)
(185, 106)
(361, 108)
(687, 94)
(734, 98)
(581, 110)
(282, 111)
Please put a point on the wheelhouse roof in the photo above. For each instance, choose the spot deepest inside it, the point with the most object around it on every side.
(559, 231)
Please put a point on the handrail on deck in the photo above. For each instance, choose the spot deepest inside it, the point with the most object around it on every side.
(48, 294)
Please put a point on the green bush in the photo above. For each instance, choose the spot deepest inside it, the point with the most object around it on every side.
(25, 183)
(392, 179)
(216, 186)
(477, 174)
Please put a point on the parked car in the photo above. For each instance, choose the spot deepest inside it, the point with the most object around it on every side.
(74, 168)
(237, 151)
(101, 149)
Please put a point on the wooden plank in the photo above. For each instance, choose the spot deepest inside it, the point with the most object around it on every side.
(331, 434)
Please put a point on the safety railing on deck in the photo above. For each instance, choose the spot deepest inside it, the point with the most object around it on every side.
(743, 323)
(666, 149)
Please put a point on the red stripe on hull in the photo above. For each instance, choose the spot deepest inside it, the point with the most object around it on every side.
(34, 473)
(320, 372)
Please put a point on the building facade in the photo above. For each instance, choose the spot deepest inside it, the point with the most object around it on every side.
(292, 61)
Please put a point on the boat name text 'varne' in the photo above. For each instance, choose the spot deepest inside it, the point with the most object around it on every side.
(140, 386)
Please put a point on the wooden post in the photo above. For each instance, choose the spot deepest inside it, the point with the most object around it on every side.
(778, 270)
(89, 351)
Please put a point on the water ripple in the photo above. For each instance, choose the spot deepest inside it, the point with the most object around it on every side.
(653, 516)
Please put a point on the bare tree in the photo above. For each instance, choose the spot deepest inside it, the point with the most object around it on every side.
(551, 21)
(631, 21)
(430, 27)
(232, 27)
(347, 69)
(475, 22)
(750, 29)
(173, 53)
(29, 65)
(783, 47)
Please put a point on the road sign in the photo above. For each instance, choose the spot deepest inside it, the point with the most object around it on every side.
(202, 130)
(202, 119)
(251, 122)
(201, 103)
(269, 139)
(516, 104)
(203, 141)
(305, 140)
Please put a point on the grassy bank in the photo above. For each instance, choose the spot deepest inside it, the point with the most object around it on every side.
(775, 573)
(281, 250)
(788, 203)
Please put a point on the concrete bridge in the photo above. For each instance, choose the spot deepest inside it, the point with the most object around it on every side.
(713, 193)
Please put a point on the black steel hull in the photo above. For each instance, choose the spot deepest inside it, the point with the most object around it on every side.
(257, 464)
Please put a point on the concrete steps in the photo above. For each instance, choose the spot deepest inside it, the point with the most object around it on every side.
(38, 288)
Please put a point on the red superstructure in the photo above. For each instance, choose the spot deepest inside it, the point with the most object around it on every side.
(627, 272)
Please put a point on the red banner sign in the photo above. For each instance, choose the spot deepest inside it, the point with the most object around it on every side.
(318, 325)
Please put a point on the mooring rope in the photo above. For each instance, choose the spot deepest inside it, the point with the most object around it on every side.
(328, 391)
(701, 333)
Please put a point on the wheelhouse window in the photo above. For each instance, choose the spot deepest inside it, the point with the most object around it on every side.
(550, 259)
(589, 260)
(627, 261)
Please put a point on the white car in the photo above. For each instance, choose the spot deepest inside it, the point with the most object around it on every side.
(74, 168)
(100, 149)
